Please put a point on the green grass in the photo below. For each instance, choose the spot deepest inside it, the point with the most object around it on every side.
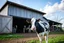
(56, 32)
(57, 39)
(10, 36)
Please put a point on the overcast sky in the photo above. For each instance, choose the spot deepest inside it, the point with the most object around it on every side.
(54, 9)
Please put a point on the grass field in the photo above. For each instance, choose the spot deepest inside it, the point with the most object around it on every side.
(10, 36)
(57, 39)
(53, 38)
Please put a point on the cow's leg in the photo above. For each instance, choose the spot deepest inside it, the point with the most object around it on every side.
(40, 38)
(46, 38)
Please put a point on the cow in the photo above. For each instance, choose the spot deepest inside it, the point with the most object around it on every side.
(41, 27)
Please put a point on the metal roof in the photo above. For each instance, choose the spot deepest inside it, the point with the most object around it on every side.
(51, 21)
(20, 6)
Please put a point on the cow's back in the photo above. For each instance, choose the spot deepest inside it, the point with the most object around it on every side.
(39, 28)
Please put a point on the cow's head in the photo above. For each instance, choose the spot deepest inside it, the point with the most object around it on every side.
(33, 27)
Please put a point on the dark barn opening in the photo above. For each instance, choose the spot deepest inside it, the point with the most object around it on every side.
(19, 23)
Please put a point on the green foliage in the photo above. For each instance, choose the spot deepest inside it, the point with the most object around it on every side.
(10, 36)
(57, 39)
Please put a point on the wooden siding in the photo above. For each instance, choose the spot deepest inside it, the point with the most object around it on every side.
(4, 11)
(5, 24)
(20, 12)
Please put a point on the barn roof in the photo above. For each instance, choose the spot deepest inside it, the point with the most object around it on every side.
(51, 21)
(20, 6)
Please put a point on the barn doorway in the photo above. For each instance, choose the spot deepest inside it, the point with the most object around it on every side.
(19, 24)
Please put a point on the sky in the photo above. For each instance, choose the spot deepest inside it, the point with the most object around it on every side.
(54, 9)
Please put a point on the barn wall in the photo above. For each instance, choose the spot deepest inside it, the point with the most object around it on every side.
(20, 12)
(5, 24)
(0, 23)
(4, 11)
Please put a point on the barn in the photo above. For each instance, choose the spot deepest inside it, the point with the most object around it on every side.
(13, 17)
(55, 26)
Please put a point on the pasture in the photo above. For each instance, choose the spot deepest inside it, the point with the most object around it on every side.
(20, 38)
(58, 38)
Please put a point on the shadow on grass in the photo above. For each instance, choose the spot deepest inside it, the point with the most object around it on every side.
(60, 42)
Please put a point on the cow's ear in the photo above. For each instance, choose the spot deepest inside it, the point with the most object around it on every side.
(38, 20)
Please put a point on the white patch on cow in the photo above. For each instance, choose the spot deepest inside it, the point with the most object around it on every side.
(33, 20)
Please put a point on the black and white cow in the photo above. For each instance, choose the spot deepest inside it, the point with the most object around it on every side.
(41, 28)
